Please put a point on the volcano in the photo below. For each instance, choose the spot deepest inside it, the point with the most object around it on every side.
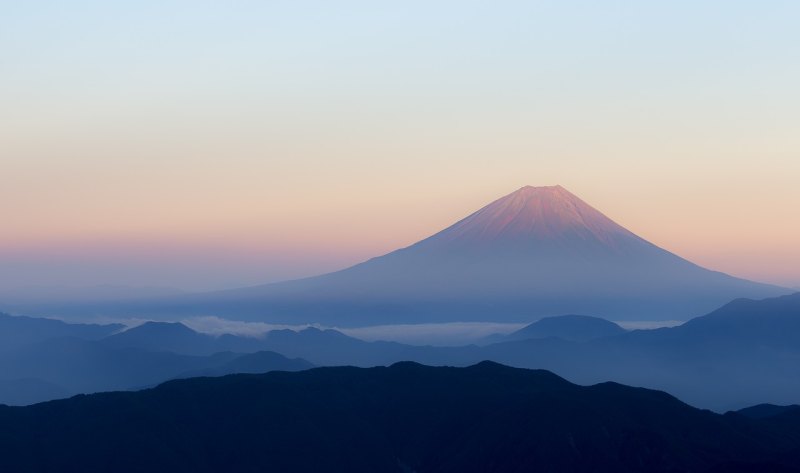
(538, 251)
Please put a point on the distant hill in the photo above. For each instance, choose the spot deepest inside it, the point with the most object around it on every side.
(258, 362)
(742, 354)
(90, 366)
(320, 346)
(714, 361)
(164, 336)
(177, 338)
(21, 392)
(576, 328)
(63, 366)
(18, 331)
(535, 252)
(774, 321)
(764, 411)
(404, 418)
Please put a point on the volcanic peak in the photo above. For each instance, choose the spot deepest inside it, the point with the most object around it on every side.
(535, 214)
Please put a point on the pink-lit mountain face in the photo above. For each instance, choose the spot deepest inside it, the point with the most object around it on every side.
(535, 252)
(544, 222)
(538, 238)
(535, 214)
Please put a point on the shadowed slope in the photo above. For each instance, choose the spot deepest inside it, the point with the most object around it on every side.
(18, 331)
(163, 336)
(576, 328)
(258, 362)
(404, 418)
(765, 411)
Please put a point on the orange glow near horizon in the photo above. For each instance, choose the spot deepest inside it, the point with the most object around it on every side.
(254, 143)
(322, 233)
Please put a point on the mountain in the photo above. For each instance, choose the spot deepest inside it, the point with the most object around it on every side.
(91, 366)
(536, 252)
(744, 353)
(741, 354)
(21, 392)
(60, 367)
(164, 336)
(764, 411)
(576, 328)
(259, 362)
(404, 418)
(18, 331)
(176, 337)
(774, 321)
(326, 347)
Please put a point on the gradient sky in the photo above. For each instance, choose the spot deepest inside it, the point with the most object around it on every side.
(206, 144)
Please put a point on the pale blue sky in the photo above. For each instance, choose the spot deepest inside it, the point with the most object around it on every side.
(272, 139)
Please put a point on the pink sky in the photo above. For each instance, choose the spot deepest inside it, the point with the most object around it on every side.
(317, 229)
(241, 144)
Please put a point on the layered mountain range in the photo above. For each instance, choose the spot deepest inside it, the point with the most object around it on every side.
(744, 353)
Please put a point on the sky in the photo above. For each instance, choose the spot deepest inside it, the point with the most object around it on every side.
(205, 144)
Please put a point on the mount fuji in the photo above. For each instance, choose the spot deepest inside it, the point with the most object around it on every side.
(535, 252)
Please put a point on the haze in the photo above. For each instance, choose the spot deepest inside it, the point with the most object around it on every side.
(202, 145)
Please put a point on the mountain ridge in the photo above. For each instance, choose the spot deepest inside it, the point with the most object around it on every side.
(406, 417)
(570, 327)
(533, 212)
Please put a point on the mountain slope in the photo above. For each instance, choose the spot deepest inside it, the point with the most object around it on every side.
(164, 336)
(764, 411)
(404, 418)
(576, 328)
(538, 251)
(744, 353)
(258, 362)
(25, 391)
(18, 331)
(534, 252)
(91, 366)
(58, 368)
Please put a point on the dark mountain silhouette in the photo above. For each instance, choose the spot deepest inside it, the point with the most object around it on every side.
(404, 418)
(742, 354)
(576, 328)
(18, 331)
